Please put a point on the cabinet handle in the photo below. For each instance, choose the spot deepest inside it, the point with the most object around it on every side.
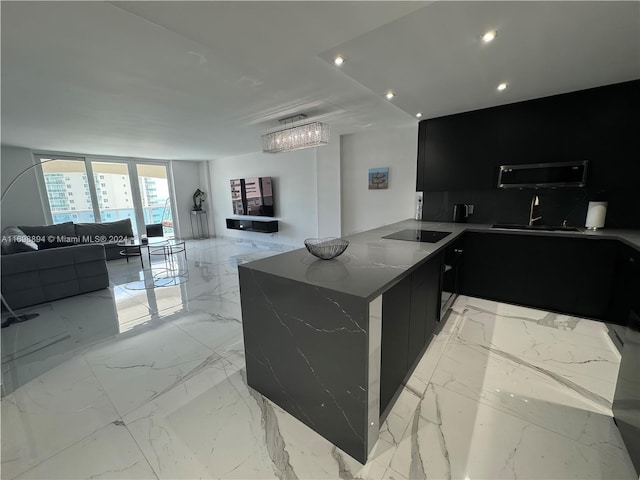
(457, 250)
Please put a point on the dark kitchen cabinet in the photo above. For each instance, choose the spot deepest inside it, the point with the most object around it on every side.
(453, 258)
(396, 313)
(433, 294)
(626, 401)
(410, 315)
(571, 275)
(462, 151)
(425, 306)
(458, 152)
(562, 274)
(550, 129)
(494, 267)
(417, 315)
(626, 311)
(612, 137)
(626, 285)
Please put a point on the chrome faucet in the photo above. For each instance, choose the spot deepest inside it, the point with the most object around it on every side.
(535, 201)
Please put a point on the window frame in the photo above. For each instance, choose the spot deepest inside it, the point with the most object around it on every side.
(90, 183)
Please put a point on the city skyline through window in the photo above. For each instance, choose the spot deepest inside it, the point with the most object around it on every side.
(154, 192)
(73, 194)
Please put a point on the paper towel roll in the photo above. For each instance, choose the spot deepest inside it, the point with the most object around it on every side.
(596, 213)
(418, 205)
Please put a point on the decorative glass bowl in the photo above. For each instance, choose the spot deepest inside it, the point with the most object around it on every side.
(326, 248)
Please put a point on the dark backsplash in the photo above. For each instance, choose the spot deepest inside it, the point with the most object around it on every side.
(512, 206)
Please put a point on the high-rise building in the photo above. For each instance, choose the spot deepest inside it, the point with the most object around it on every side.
(70, 197)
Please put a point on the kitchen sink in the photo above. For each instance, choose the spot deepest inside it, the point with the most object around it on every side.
(544, 228)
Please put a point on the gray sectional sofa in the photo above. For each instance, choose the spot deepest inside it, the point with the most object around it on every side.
(44, 263)
(29, 278)
(69, 233)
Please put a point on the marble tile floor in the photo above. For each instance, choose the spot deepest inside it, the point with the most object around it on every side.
(134, 382)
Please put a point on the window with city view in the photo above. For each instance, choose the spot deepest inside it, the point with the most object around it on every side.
(70, 192)
(113, 189)
(154, 192)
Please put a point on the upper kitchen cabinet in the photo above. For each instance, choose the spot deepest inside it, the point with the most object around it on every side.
(463, 151)
(612, 135)
(458, 152)
(547, 130)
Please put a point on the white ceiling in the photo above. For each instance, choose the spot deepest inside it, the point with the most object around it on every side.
(203, 80)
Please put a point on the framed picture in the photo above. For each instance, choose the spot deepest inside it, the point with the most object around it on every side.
(378, 178)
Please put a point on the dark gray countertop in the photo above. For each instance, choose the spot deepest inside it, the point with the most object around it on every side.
(372, 264)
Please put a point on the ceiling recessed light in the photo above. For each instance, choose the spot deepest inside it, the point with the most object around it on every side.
(390, 95)
(418, 115)
(339, 60)
(502, 87)
(489, 36)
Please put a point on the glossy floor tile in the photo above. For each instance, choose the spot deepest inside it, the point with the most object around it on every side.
(146, 379)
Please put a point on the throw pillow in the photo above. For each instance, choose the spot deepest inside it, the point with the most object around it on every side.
(52, 236)
(15, 240)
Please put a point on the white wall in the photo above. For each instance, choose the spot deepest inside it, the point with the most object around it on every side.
(205, 179)
(328, 179)
(22, 205)
(318, 192)
(324, 191)
(295, 194)
(186, 179)
(362, 208)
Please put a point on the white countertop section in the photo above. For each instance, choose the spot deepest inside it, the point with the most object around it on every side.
(372, 264)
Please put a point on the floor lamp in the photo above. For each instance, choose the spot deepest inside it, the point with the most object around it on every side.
(15, 318)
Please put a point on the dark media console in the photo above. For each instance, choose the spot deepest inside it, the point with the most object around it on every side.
(261, 226)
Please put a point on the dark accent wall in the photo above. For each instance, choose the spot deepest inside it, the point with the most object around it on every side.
(459, 156)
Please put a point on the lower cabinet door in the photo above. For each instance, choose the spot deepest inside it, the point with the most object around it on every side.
(626, 286)
(410, 315)
(570, 275)
(425, 306)
(495, 267)
(561, 274)
(396, 311)
(626, 401)
(418, 314)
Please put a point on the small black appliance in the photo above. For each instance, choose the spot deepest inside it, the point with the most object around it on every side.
(460, 212)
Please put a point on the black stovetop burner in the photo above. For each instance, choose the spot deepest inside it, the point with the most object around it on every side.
(413, 235)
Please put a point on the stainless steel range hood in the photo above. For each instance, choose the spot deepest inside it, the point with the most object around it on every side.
(543, 175)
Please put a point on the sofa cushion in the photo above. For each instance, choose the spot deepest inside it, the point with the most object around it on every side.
(15, 240)
(40, 276)
(106, 232)
(52, 236)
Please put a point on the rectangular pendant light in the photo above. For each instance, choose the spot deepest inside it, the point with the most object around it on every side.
(313, 134)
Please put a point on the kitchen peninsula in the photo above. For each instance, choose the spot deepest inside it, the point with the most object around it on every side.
(332, 341)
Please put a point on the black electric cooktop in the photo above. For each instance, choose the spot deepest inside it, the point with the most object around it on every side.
(412, 235)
